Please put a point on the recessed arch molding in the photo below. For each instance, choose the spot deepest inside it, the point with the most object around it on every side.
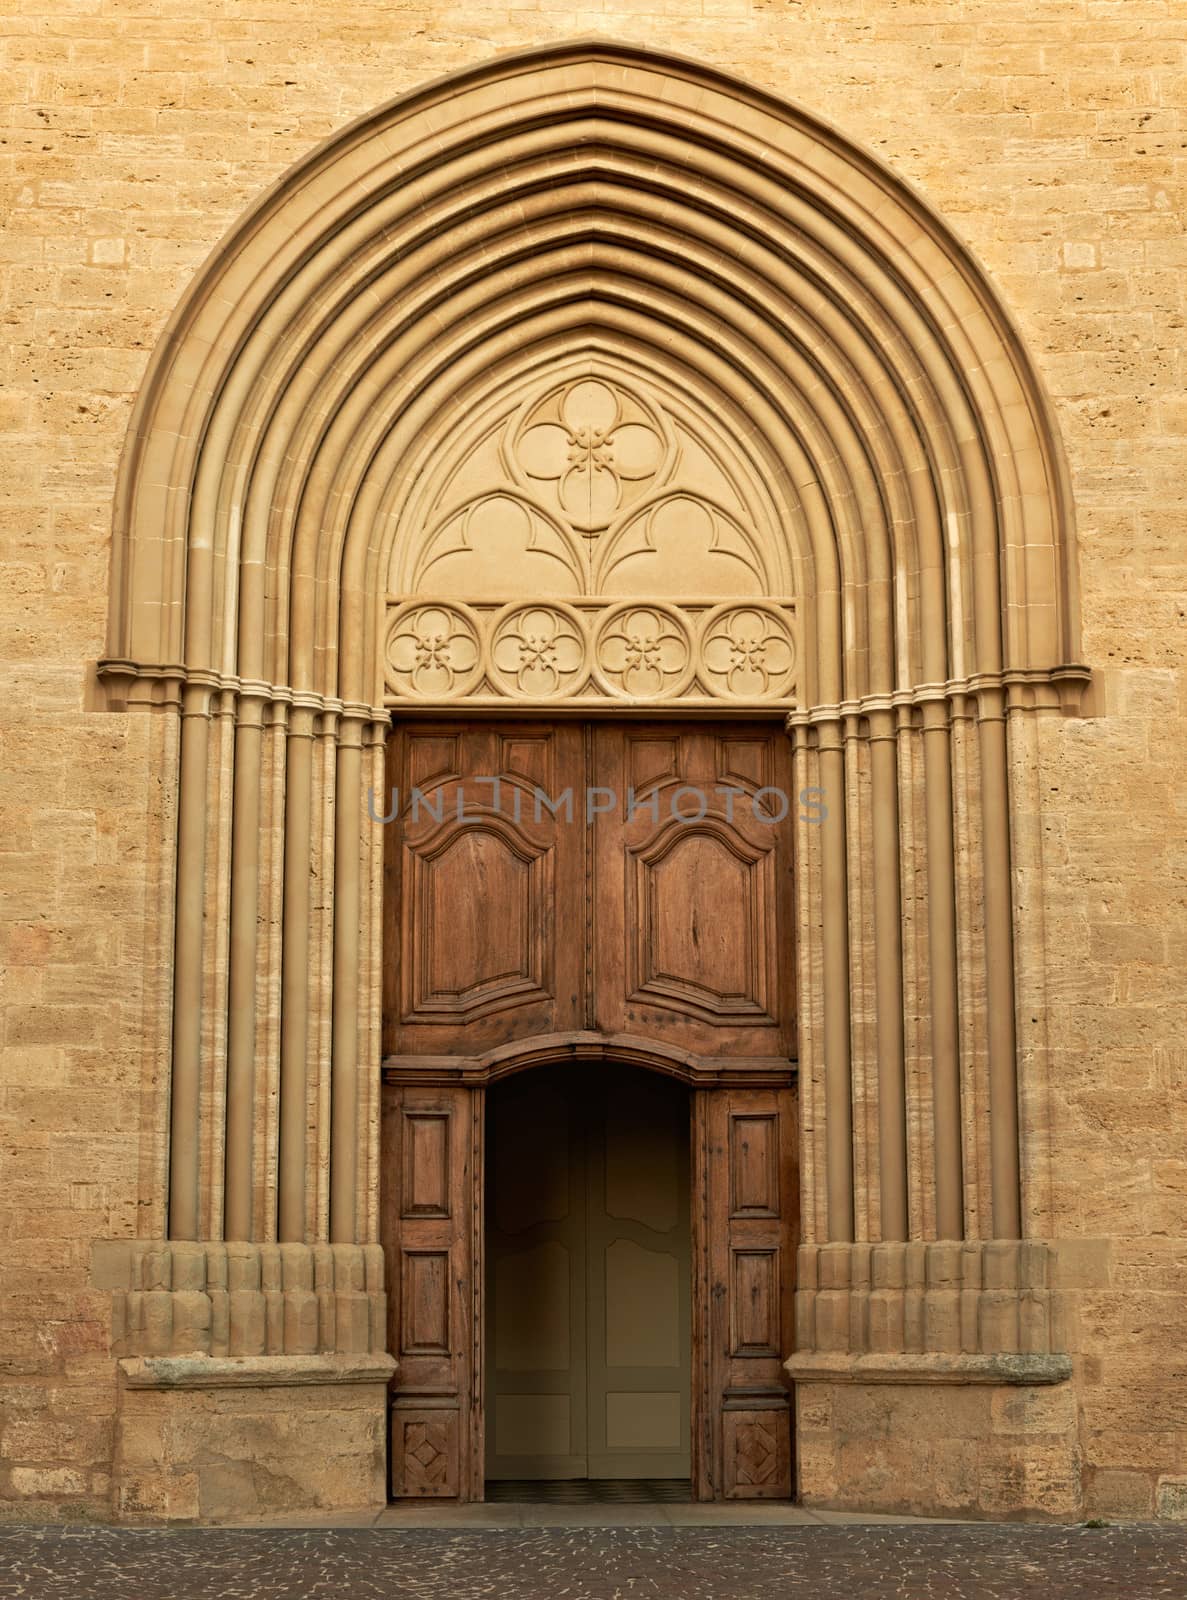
(611, 335)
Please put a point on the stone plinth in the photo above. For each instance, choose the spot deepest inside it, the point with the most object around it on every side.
(959, 1443)
(208, 1439)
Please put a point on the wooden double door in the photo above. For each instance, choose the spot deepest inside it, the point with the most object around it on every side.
(583, 899)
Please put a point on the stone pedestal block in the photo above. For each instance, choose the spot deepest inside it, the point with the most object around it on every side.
(958, 1437)
(201, 1439)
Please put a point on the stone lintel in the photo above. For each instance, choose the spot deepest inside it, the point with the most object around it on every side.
(251, 1372)
(927, 1368)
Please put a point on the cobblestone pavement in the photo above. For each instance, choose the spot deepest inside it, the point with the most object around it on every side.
(969, 1562)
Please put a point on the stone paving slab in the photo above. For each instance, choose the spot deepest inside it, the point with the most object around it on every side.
(531, 1514)
(956, 1562)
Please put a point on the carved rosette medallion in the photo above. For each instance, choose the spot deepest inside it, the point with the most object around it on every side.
(644, 652)
(538, 652)
(748, 652)
(433, 652)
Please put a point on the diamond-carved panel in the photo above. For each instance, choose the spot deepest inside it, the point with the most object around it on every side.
(424, 1454)
(758, 1453)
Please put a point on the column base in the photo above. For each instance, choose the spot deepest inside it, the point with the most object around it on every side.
(207, 1439)
(940, 1436)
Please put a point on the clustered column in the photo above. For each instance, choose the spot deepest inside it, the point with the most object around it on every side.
(261, 1038)
(907, 1201)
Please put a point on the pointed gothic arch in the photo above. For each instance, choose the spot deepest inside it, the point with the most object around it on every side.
(611, 205)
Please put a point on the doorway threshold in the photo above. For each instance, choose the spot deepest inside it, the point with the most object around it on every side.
(508, 1514)
(589, 1491)
(411, 1515)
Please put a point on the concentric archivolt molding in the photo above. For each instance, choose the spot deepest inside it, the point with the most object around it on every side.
(877, 462)
(592, 193)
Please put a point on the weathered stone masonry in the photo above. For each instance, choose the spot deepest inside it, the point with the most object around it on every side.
(1054, 153)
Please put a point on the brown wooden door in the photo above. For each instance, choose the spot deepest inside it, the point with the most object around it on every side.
(692, 887)
(485, 887)
(630, 881)
(626, 878)
(745, 1211)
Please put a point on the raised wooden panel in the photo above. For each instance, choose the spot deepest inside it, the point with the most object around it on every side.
(424, 1453)
(692, 888)
(754, 1303)
(745, 1152)
(650, 761)
(758, 1453)
(432, 757)
(480, 877)
(424, 1302)
(746, 762)
(699, 913)
(530, 760)
(753, 1154)
(425, 1172)
(474, 880)
(463, 885)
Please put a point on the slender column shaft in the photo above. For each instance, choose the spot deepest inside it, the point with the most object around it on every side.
(345, 1025)
(241, 995)
(838, 1087)
(1005, 1184)
(941, 929)
(185, 1088)
(294, 980)
(888, 976)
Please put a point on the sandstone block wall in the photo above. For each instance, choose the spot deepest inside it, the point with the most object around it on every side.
(228, 1454)
(991, 1452)
(1051, 137)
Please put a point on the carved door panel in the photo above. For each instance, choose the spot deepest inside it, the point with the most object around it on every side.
(432, 1227)
(746, 1225)
(692, 887)
(485, 887)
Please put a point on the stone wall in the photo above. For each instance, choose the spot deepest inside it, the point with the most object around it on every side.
(1051, 138)
(966, 1448)
(226, 1441)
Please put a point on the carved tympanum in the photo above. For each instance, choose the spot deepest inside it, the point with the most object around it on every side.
(590, 536)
